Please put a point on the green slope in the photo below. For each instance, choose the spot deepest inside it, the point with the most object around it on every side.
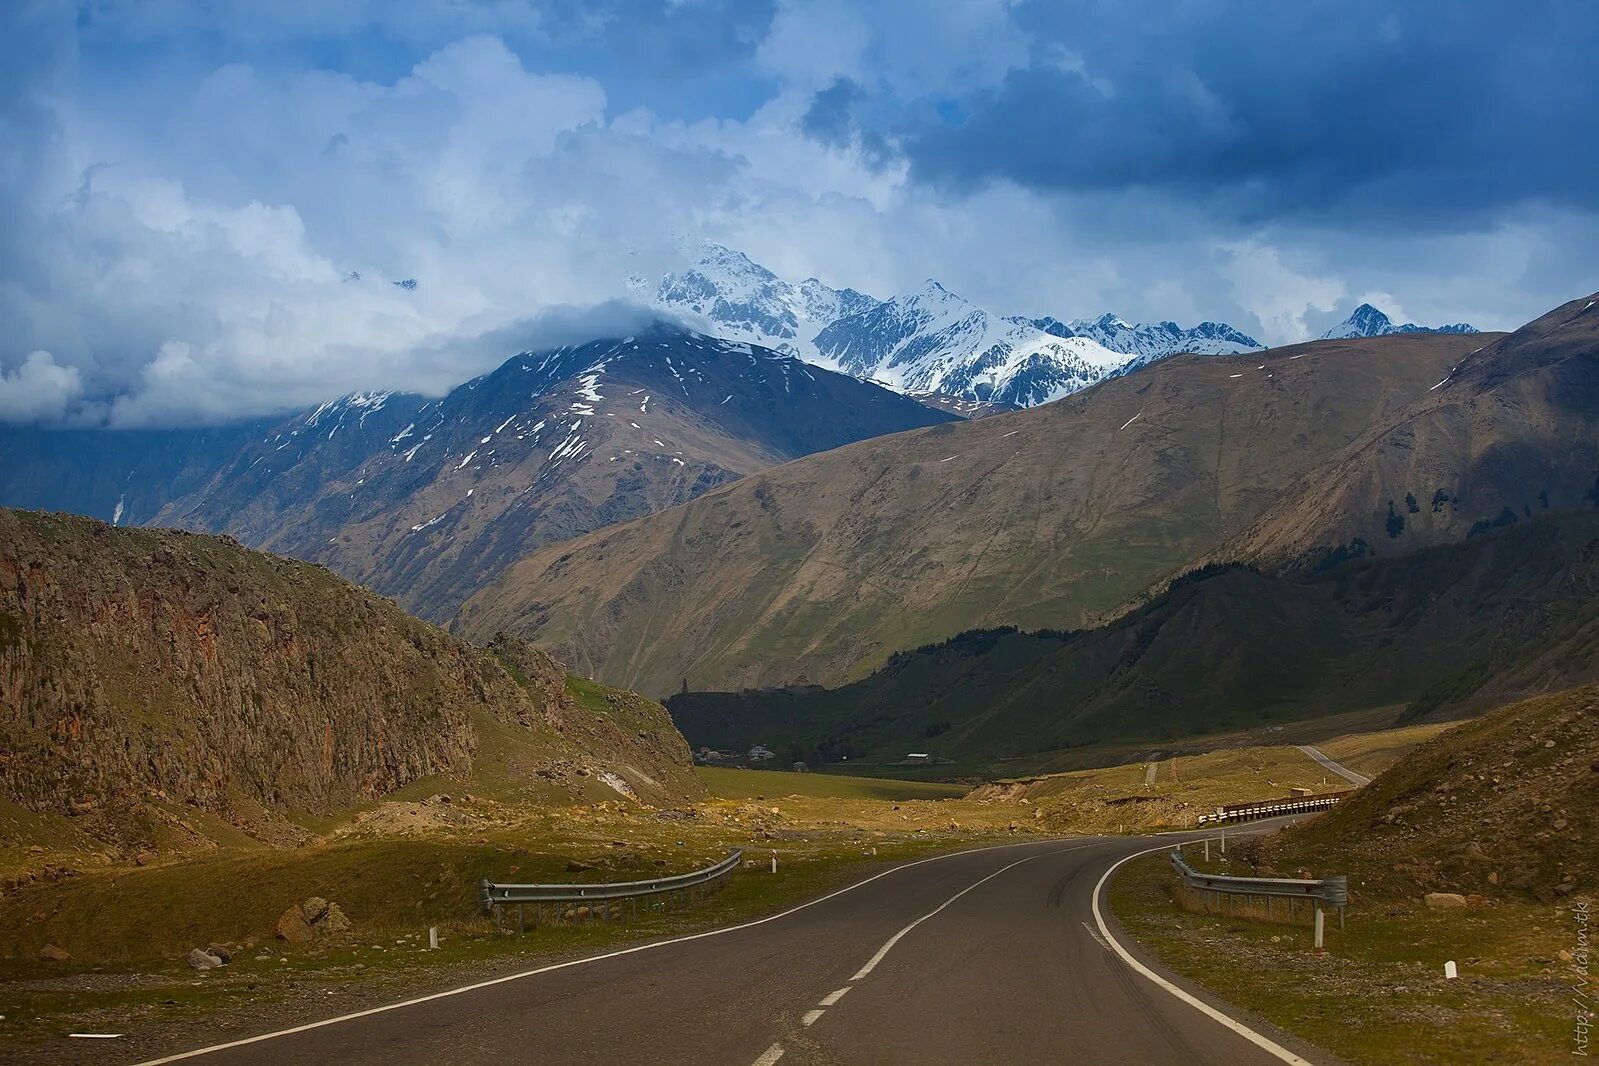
(1222, 649)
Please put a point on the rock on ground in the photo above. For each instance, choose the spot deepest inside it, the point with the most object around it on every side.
(293, 927)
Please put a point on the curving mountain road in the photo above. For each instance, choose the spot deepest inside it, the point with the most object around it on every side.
(1336, 767)
(1000, 955)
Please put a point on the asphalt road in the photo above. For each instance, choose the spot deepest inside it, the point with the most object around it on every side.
(993, 956)
(1338, 768)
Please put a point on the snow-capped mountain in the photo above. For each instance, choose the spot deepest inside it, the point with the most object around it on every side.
(927, 341)
(1367, 321)
(1158, 340)
(742, 300)
(934, 341)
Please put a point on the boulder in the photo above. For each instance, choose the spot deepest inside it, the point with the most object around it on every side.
(53, 953)
(201, 959)
(293, 927)
(576, 867)
(1444, 900)
(221, 951)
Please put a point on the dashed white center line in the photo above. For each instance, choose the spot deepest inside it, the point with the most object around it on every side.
(811, 1016)
(770, 1055)
(833, 997)
(1130, 421)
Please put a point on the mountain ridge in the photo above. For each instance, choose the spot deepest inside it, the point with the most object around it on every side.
(928, 340)
(1055, 517)
(1367, 321)
(423, 499)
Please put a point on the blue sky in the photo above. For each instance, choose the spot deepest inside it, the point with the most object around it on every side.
(205, 203)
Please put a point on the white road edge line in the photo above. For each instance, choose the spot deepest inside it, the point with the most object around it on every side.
(811, 1016)
(871, 963)
(833, 997)
(770, 1055)
(1264, 1043)
(197, 1052)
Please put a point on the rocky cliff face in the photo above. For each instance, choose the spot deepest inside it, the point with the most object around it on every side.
(147, 668)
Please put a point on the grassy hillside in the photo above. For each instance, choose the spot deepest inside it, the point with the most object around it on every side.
(1512, 430)
(1506, 806)
(158, 687)
(1501, 811)
(1056, 516)
(1438, 632)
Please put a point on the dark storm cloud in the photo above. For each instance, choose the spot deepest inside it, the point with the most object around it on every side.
(831, 120)
(1429, 111)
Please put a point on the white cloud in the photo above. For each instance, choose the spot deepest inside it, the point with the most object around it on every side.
(38, 390)
(223, 240)
(1277, 294)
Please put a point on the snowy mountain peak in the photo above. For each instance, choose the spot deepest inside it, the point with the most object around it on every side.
(1367, 321)
(926, 340)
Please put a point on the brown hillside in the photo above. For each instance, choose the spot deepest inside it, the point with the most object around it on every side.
(1505, 805)
(1511, 431)
(141, 669)
(1055, 516)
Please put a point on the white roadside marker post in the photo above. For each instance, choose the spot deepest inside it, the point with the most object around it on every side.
(1318, 926)
(1224, 843)
(774, 860)
(1450, 973)
(1207, 849)
(433, 938)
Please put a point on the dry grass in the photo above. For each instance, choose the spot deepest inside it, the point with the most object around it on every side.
(1116, 799)
(730, 783)
(1378, 995)
(1372, 753)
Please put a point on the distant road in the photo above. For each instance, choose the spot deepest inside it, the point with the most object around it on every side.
(1338, 768)
(1001, 955)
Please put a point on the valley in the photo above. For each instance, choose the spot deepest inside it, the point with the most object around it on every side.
(798, 534)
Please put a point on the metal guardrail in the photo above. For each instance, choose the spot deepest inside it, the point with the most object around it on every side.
(597, 901)
(1245, 812)
(1326, 892)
